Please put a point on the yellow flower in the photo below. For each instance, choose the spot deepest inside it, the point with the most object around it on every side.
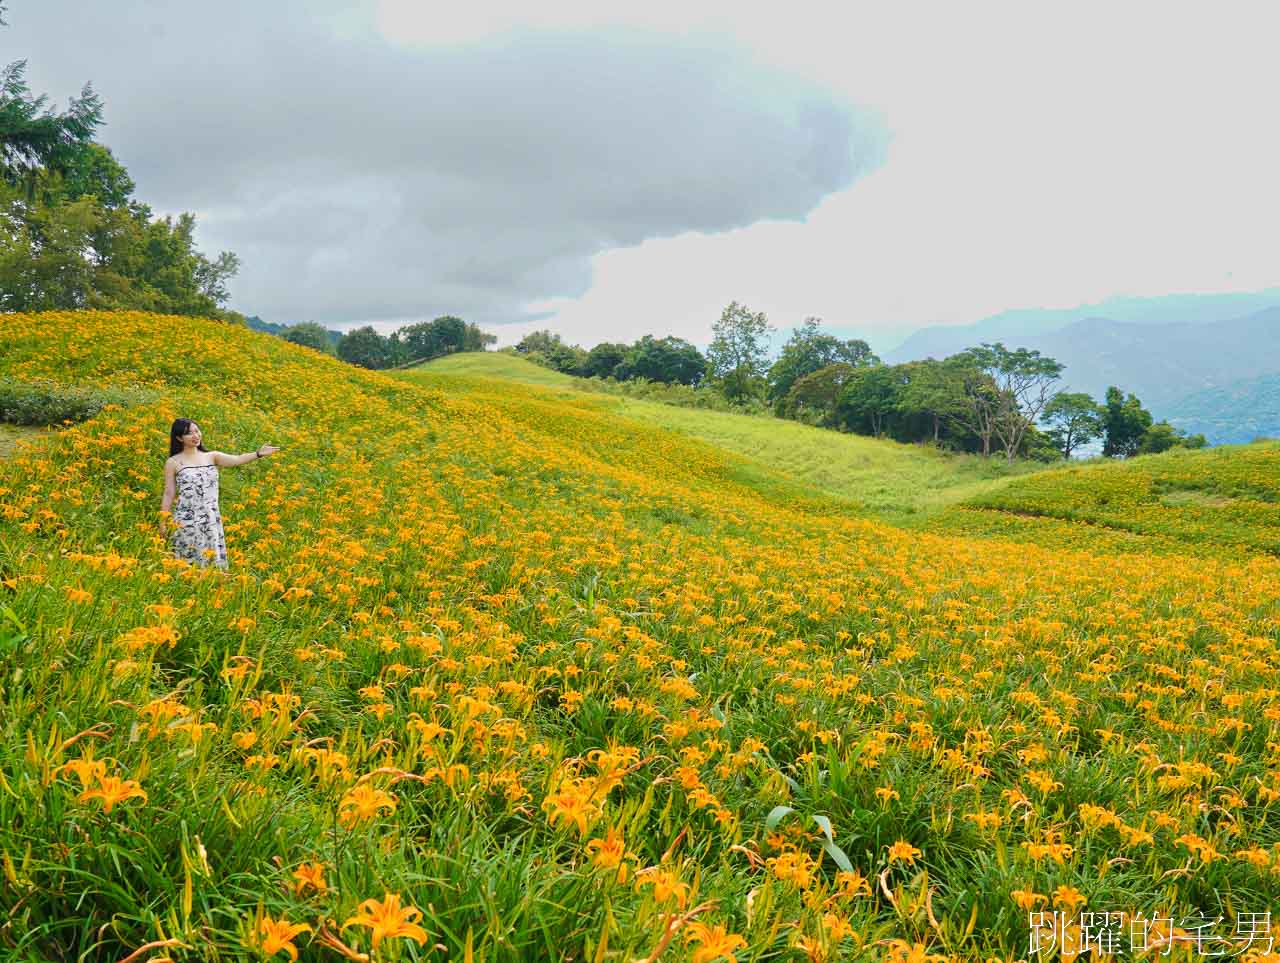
(363, 802)
(666, 885)
(310, 874)
(388, 918)
(901, 951)
(572, 804)
(1067, 898)
(274, 935)
(86, 768)
(610, 852)
(112, 790)
(1028, 899)
(903, 851)
(714, 942)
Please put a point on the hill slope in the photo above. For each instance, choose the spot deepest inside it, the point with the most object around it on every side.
(569, 684)
(885, 479)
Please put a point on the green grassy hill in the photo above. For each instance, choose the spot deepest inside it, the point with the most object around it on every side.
(886, 479)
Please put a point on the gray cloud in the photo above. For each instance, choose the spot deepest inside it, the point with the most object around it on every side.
(357, 179)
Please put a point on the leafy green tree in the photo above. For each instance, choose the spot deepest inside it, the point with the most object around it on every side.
(1020, 383)
(425, 340)
(309, 334)
(809, 350)
(815, 396)
(869, 399)
(932, 390)
(1124, 422)
(31, 137)
(1074, 419)
(670, 360)
(1162, 436)
(603, 360)
(738, 355)
(365, 347)
(542, 342)
(477, 340)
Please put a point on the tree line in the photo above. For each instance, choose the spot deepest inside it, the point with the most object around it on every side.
(988, 399)
(72, 235)
(410, 344)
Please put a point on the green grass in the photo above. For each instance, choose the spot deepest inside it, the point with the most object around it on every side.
(897, 482)
(13, 435)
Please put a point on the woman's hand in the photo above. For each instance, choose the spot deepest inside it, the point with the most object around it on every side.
(266, 450)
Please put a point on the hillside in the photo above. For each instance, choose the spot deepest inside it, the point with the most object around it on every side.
(887, 479)
(505, 672)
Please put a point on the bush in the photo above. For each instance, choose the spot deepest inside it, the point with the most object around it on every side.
(49, 403)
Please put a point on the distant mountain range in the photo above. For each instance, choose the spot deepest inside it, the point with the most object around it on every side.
(1233, 414)
(1205, 374)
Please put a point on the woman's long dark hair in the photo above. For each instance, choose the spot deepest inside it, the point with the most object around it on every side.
(179, 429)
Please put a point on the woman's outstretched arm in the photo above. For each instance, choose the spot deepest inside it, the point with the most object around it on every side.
(223, 460)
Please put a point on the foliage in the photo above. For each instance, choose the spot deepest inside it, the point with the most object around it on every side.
(932, 390)
(1074, 419)
(1162, 436)
(45, 402)
(603, 360)
(737, 357)
(309, 334)
(815, 395)
(366, 347)
(67, 249)
(869, 398)
(809, 350)
(33, 138)
(1124, 422)
(1008, 392)
(669, 360)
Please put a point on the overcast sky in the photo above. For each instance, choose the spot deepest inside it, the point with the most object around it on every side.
(613, 174)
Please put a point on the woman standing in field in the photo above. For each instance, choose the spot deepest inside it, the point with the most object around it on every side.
(191, 476)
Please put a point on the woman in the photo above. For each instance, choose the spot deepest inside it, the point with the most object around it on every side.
(191, 475)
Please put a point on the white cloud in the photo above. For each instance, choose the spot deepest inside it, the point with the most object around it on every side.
(1042, 155)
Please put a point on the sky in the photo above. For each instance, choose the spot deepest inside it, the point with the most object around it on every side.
(608, 173)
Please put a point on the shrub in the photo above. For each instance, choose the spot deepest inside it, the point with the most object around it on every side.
(50, 403)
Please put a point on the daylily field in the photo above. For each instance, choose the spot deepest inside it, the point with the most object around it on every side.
(496, 674)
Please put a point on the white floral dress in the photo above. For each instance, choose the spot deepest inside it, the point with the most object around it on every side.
(199, 538)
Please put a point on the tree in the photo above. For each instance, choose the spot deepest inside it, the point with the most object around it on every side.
(539, 341)
(669, 360)
(1074, 419)
(809, 350)
(739, 351)
(31, 139)
(933, 390)
(1162, 436)
(869, 398)
(1124, 422)
(477, 340)
(425, 340)
(818, 392)
(1021, 381)
(309, 334)
(603, 360)
(365, 347)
